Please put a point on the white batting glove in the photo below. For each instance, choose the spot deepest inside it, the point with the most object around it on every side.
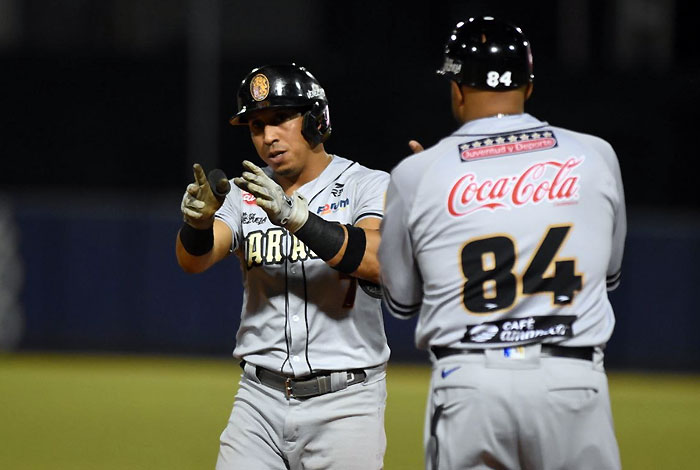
(199, 203)
(285, 211)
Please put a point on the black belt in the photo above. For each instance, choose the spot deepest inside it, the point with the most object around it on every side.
(309, 386)
(548, 350)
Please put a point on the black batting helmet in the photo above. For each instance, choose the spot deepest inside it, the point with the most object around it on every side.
(488, 54)
(286, 86)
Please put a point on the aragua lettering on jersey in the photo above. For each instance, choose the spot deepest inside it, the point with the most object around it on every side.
(270, 247)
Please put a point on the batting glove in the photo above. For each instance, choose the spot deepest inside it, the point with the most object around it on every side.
(199, 204)
(285, 211)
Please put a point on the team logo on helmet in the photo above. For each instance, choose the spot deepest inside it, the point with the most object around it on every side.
(259, 87)
(450, 66)
(316, 92)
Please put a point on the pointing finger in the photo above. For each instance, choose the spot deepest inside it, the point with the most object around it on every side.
(199, 175)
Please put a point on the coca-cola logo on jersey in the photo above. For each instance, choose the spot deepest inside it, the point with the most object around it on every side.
(248, 198)
(546, 181)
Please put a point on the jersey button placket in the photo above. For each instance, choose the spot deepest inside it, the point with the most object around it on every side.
(298, 345)
(297, 329)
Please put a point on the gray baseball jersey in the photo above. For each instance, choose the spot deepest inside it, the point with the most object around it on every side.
(506, 232)
(298, 314)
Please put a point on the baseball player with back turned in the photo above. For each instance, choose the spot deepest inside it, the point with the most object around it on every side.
(306, 230)
(503, 238)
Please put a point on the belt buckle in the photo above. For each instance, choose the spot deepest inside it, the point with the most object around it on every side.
(288, 388)
(351, 377)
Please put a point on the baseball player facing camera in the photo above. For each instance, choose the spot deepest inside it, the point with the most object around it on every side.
(503, 238)
(306, 231)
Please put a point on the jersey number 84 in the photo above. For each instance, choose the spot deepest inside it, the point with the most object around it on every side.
(491, 284)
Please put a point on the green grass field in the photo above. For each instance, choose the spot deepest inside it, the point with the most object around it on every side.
(75, 412)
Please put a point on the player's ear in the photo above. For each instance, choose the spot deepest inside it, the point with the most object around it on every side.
(457, 95)
(528, 90)
(457, 100)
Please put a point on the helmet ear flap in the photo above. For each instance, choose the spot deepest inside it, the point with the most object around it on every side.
(316, 126)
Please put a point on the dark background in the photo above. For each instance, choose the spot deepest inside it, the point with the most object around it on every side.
(106, 105)
(104, 94)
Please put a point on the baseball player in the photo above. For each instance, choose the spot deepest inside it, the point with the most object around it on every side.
(503, 238)
(306, 231)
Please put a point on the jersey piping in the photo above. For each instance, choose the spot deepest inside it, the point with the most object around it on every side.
(368, 214)
(613, 280)
(332, 181)
(399, 308)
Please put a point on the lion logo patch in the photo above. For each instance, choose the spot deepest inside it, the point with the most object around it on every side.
(259, 87)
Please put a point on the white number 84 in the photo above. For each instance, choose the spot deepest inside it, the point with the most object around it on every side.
(493, 78)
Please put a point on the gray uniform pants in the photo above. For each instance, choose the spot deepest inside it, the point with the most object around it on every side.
(338, 430)
(489, 411)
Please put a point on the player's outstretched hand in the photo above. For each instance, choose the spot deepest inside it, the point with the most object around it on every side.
(290, 212)
(415, 146)
(199, 204)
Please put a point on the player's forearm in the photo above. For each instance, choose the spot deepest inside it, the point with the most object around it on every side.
(195, 256)
(349, 249)
(190, 263)
(369, 266)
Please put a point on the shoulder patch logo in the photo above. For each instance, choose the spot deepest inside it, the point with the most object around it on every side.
(507, 144)
(259, 87)
(337, 189)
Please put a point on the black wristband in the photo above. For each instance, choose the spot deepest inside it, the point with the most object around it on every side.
(197, 242)
(354, 250)
(325, 238)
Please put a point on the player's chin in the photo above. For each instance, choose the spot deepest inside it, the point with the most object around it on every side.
(286, 171)
(283, 167)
